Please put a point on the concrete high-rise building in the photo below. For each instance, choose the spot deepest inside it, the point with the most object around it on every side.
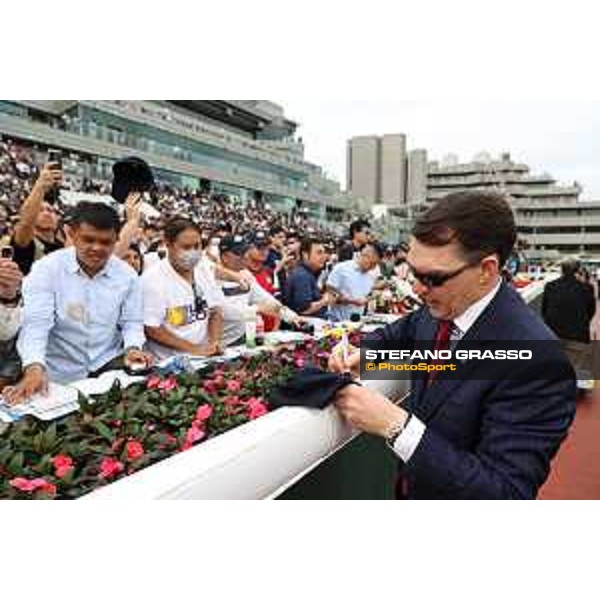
(416, 189)
(393, 170)
(381, 171)
(362, 168)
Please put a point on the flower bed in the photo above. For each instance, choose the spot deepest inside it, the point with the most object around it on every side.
(124, 431)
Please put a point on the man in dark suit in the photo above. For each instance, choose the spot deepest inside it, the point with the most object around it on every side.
(468, 438)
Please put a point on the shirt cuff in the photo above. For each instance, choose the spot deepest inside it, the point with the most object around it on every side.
(407, 442)
(133, 339)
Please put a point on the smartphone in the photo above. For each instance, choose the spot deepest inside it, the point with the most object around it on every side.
(7, 252)
(54, 156)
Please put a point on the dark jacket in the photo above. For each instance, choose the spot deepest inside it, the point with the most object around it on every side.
(568, 306)
(487, 439)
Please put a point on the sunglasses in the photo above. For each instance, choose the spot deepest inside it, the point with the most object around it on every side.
(437, 279)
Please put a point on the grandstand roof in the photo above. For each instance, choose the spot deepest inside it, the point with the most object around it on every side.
(234, 114)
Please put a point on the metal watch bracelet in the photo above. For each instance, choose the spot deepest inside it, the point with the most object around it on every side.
(396, 430)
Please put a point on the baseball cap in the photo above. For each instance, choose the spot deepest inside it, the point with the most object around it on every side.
(258, 239)
(233, 243)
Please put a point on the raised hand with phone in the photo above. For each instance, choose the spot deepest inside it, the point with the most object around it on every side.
(35, 233)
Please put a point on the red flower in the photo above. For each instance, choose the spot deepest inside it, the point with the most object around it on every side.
(109, 467)
(256, 408)
(134, 450)
(167, 384)
(48, 488)
(231, 401)
(153, 382)
(210, 387)
(63, 465)
(204, 412)
(299, 358)
(32, 485)
(234, 386)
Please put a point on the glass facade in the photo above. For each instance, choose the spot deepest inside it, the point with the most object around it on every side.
(115, 130)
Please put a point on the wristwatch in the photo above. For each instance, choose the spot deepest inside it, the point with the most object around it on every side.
(396, 430)
(11, 301)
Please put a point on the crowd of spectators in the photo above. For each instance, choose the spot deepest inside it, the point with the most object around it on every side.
(203, 266)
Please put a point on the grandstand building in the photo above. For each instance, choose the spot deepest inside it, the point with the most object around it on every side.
(552, 220)
(244, 148)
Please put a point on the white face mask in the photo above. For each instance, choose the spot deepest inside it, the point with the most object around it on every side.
(189, 259)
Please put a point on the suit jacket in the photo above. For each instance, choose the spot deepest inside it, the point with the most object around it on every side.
(487, 439)
(568, 306)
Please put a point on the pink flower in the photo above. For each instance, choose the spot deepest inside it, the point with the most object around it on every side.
(220, 382)
(109, 467)
(63, 465)
(32, 485)
(234, 386)
(167, 384)
(210, 387)
(256, 408)
(231, 401)
(22, 484)
(194, 434)
(153, 382)
(299, 358)
(204, 412)
(134, 450)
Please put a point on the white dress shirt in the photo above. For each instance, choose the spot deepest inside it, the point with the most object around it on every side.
(407, 442)
(75, 324)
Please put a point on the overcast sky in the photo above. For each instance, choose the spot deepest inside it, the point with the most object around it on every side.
(558, 137)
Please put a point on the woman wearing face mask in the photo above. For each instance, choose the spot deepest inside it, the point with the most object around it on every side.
(182, 303)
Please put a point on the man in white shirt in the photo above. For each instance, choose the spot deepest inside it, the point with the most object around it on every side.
(82, 308)
(351, 283)
(473, 437)
(243, 301)
(182, 303)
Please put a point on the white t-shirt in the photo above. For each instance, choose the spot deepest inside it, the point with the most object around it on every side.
(169, 302)
(237, 301)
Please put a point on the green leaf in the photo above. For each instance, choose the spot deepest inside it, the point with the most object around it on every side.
(15, 464)
(104, 431)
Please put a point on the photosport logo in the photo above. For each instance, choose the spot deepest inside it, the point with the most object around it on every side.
(483, 360)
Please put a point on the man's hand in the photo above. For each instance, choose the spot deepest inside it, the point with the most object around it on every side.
(351, 365)
(208, 349)
(246, 279)
(134, 356)
(368, 410)
(132, 206)
(10, 279)
(49, 178)
(329, 299)
(34, 381)
(357, 302)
